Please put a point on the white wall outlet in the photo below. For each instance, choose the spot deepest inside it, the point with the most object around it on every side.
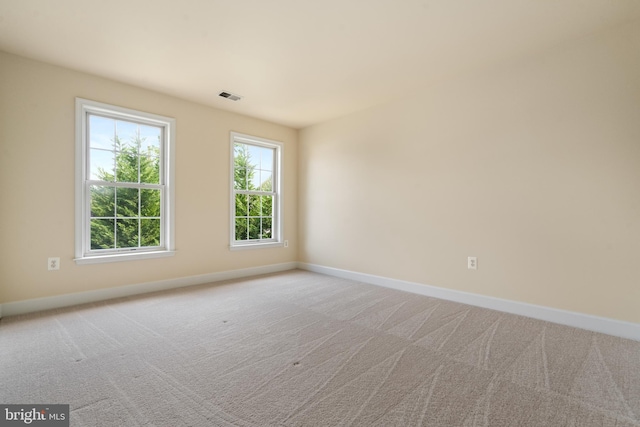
(53, 264)
(472, 263)
(286, 243)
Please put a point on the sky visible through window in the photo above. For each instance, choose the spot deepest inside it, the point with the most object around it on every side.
(104, 131)
(261, 159)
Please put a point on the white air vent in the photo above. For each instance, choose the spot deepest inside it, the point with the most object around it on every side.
(229, 95)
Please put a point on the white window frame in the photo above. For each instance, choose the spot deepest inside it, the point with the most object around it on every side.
(83, 252)
(277, 220)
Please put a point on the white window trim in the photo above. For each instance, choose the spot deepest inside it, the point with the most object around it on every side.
(82, 212)
(277, 239)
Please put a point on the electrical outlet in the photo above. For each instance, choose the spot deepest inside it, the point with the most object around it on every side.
(53, 264)
(286, 243)
(472, 263)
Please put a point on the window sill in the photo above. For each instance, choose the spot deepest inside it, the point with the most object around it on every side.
(100, 259)
(239, 247)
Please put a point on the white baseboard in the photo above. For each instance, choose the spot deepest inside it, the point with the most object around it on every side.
(578, 320)
(46, 303)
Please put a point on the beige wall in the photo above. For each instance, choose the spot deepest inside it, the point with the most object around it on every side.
(533, 167)
(37, 144)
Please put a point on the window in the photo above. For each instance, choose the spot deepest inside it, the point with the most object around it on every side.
(255, 192)
(124, 189)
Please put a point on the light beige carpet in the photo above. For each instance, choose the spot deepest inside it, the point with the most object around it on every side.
(303, 349)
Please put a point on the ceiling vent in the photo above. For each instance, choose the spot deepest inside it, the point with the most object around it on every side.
(229, 95)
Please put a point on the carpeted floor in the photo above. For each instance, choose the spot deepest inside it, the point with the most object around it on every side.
(303, 349)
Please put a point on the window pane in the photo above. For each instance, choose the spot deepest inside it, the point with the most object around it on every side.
(127, 167)
(266, 183)
(239, 149)
(149, 202)
(241, 205)
(240, 167)
(254, 205)
(150, 232)
(266, 228)
(240, 179)
(246, 175)
(150, 140)
(266, 159)
(150, 169)
(267, 206)
(253, 158)
(101, 132)
(127, 135)
(102, 201)
(254, 228)
(127, 202)
(127, 233)
(102, 163)
(254, 179)
(102, 233)
(241, 228)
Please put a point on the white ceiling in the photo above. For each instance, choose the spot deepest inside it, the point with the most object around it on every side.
(296, 62)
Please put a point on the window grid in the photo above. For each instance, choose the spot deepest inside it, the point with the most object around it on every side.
(115, 217)
(120, 149)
